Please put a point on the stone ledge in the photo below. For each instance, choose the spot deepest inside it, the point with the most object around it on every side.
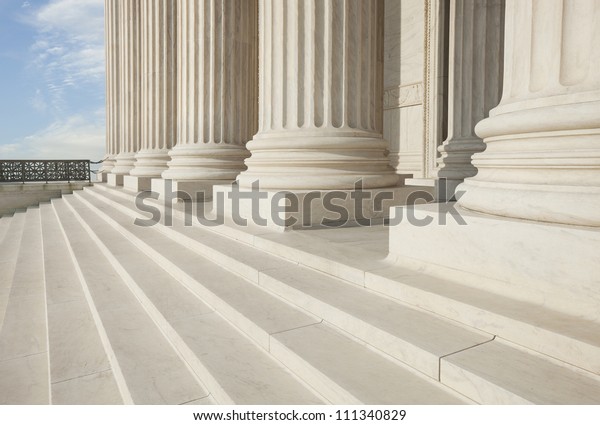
(15, 196)
(42, 186)
(542, 263)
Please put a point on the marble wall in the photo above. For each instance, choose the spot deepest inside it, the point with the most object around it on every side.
(403, 81)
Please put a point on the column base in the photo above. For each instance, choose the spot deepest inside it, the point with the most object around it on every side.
(205, 162)
(107, 165)
(137, 183)
(115, 180)
(150, 163)
(124, 163)
(281, 210)
(542, 263)
(318, 159)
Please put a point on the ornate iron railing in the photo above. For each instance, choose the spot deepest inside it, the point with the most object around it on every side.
(13, 171)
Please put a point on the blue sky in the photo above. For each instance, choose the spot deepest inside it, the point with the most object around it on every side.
(52, 79)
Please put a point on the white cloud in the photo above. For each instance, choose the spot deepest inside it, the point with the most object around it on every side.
(39, 101)
(69, 59)
(69, 47)
(10, 151)
(76, 137)
(81, 19)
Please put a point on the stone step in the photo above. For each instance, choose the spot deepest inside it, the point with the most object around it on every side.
(245, 260)
(351, 373)
(228, 362)
(346, 253)
(23, 335)
(4, 225)
(9, 251)
(383, 323)
(552, 334)
(501, 373)
(340, 260)
(125, 199)
(147, 368)
(570, 339)
(80, 370)
(564, 337)
(264, 317)
(222, 289)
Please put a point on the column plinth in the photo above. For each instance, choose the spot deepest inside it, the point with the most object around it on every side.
(123, 165)
(321, 91)
(542, 160)
(108, 164)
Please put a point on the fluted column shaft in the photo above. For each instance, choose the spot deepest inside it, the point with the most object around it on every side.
(217, 86)
(321, 104)
(158, 86)
(542, 160)
(475, 81)
(111, 27)
(129, 93)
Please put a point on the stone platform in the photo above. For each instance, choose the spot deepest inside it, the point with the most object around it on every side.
(542, 263)
(297, 209)
(115, 180)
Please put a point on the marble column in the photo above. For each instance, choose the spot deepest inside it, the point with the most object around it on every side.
(475, 83)
(158, 91)
(111, 28)
(542, 160)
(129, 93)
(321, 97)
(217, 84)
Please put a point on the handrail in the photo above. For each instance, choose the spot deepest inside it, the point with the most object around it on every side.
(22, 171)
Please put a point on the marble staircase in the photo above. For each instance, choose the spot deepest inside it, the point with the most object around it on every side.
(97, 310)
